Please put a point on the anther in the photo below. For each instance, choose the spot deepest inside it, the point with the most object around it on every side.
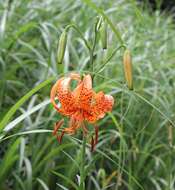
(57, 126)
(59, 138)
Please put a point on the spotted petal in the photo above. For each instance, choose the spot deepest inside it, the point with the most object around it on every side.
(62, 91)
(101, 104)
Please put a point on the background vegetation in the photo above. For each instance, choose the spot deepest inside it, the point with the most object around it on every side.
(136, 142)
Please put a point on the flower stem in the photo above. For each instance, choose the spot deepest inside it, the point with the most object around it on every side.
(92, 50)
(99, 69)
(74, 26)
(82, 165)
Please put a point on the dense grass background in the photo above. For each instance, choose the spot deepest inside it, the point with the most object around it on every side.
(136, 145)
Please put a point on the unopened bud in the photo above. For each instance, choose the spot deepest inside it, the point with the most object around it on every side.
(99, 22)
(61, 47)
(127, 62)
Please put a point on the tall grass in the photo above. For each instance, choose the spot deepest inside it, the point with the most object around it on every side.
(136, 141)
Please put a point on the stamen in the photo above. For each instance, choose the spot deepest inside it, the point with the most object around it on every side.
(92, 144)
(57, 126)
(59, 138)
(85, 130)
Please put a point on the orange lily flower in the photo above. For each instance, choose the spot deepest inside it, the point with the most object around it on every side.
(80, 104)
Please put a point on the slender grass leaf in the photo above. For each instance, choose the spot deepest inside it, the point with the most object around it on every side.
(14, 108)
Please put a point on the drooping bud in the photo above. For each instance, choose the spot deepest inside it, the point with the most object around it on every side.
(98, 23)
(127, 63)
(103, 34)
(61, 47)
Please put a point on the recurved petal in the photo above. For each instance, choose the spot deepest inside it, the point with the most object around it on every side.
(75, 76)
(83, 93)
(86, 93)
(53, 94)
(87, 82)
(64, 95)
(100, 105)
(108, 102)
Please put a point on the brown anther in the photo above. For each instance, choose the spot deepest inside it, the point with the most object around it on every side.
(92, 144)
(57, 126)
(59, 138)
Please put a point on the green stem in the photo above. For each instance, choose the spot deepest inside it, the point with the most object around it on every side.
(90, 49)
(93, 49)
(109, 58)
(80, 33)
(82, 165)
(101, 12)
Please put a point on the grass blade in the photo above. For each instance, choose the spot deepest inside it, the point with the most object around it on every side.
(8, 161)
(13, 109)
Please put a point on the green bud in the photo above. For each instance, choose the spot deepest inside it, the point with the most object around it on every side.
(61, 47)
(103, 35)
(99, 22)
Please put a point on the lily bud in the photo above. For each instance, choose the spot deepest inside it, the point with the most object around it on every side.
(103, 34)
(127, 63)
(99, 22)
(61, 47)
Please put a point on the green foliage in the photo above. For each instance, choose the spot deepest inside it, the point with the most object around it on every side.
(8, 161)
(136, 141)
